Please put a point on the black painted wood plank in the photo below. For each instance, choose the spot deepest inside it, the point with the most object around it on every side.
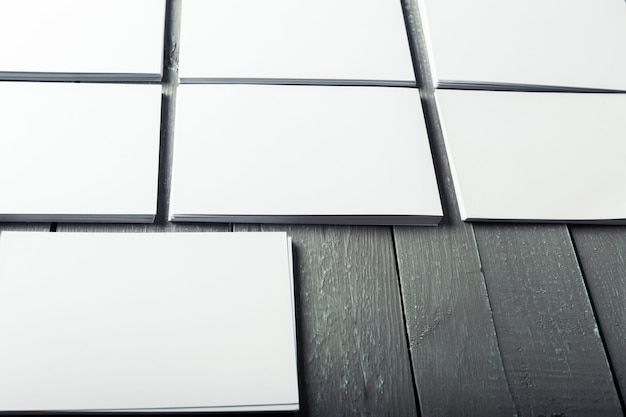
(455, 354)
(353, 355)
(602, 255)
(552, 353)
(168, 107)
(454, 350)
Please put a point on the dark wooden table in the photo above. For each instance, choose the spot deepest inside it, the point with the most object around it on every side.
(457, 320)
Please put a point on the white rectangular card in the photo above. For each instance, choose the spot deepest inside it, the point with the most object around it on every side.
(536, 44)
(79, 152)
(147, 322)
(82, 39)
(302, 154)
(555, 157)
(285, 41)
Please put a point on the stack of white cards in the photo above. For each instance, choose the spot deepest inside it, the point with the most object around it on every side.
(79, 152)
(302, 154)
(530, 44)
(536, 156)
(295, 42)
(96, 40)
(147, 322)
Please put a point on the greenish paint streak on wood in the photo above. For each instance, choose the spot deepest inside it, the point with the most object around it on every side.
(555, 363)
(602, 254)
(352, 345)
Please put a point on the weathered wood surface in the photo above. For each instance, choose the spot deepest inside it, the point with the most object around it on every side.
(168, 108)
(552, 353)
(352, 347)
(555, 362)
(602, 254)
(454, 350)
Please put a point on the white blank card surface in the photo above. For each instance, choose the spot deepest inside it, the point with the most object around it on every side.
(82, 39)
(147, 322)
(79, 152)
(536, 156)
(578, 44)
(286, 41)
(314, 154)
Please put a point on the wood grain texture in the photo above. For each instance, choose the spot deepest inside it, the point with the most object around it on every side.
(455, 354)
(353, 356)
(168, 107)
(552, 353)
(454, 350)
(602, 255)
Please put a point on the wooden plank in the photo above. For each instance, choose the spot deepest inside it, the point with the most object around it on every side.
(602, 255)
(454, 349)
(552, 353)
(353, 356)
(168, 107)
(456, 359)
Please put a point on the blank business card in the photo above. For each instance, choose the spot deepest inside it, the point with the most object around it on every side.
(153, 322)
(521, 45)
(79, 152)
(302, 154)
(95, 40)
(555, 157)
(295, 42)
